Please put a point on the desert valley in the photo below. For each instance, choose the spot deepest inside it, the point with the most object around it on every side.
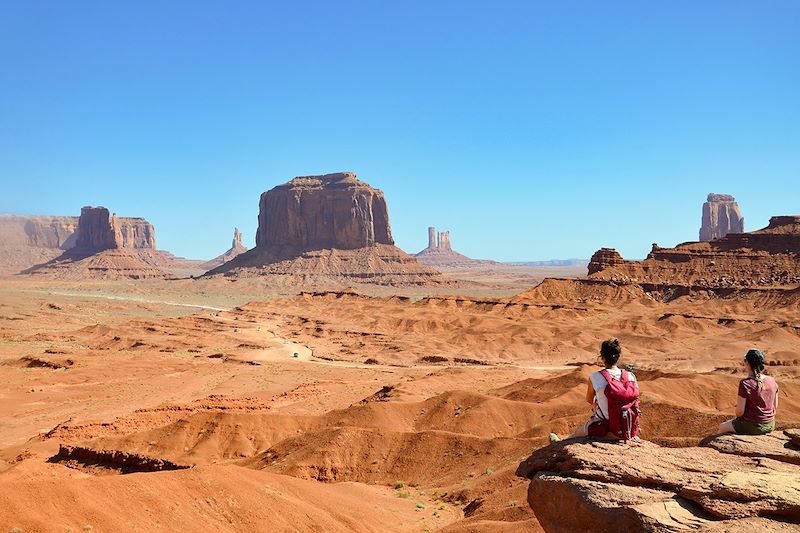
(326, 380)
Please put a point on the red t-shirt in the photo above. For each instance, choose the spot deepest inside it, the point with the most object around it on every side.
(760, 406)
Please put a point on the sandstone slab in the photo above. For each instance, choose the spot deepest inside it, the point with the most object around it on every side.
(617, 487)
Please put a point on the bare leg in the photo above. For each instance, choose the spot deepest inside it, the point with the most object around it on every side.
(726, 427)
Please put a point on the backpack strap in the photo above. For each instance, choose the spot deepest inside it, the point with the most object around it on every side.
(607, 375)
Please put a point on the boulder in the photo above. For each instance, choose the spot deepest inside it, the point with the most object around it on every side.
(581, 485)
(721, 216)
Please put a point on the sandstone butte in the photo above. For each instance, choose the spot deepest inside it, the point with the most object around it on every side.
(332, 227)
(26, 241)
(769, 257)
(721, 216)
(100, 246)
(439, 254)
(735, 483)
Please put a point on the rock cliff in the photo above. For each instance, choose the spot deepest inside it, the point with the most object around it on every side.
(608, 487)
(317, 212)
(327, 230)
(98, 230)
(721, 216)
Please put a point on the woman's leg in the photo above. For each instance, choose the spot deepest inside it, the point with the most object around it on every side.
(580, 431)
(726, 427)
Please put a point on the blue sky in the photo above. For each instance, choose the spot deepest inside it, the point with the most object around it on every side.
(530, 130)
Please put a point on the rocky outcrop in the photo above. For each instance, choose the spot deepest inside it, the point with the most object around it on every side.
(98, 230)
(721, 216)
(84, 457)
(608, 486)
(236, 249)
(604, 258)
(326, 230)
(439, 254)
(328, 211)
(27, 241)
(769, 257)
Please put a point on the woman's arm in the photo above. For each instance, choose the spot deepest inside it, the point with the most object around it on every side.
(590, 393)
(776, 402)
(740, 404)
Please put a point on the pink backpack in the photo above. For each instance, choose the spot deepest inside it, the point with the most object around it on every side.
(623, 408)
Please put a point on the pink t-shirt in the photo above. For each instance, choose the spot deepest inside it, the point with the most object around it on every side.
(760, 406)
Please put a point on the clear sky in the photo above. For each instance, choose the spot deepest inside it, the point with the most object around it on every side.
(531, 130)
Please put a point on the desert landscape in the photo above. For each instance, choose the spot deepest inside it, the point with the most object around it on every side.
(326, 380)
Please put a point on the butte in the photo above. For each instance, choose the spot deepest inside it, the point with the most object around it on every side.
(327, 230)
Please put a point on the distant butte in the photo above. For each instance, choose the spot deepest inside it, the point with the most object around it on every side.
(439, 253)
(721, 216)
(769, 257)
(329, 228)
(104, 246)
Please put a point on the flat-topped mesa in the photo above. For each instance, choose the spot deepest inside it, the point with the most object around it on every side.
(98, 230)
(318, 212)
(721, 216)
(328, 230)
(604, 258)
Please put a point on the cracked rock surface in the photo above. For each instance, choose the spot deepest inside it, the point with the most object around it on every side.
(581, 485)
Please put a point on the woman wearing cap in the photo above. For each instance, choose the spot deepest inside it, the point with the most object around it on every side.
(757, 402)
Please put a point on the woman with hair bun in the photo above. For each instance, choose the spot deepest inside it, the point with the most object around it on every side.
(758, 399)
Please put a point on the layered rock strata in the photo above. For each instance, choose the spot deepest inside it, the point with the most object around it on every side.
(769, 257)
(26, 241)
(721, 216)
(107, 247)
(326, 229)
(611, 486)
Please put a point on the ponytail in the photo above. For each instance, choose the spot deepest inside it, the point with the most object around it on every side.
(757, 361)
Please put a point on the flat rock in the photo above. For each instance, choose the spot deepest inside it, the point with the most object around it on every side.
(777, 445)
(617, 487)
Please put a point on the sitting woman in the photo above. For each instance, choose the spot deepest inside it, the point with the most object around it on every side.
(757, 402)
(604, 421)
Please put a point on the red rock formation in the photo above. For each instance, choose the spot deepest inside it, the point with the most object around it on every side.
(98, 231)
(615, 487)
(721, 216)
(444, 242)
(767, 257)
(329, 229)
(95, 230)
(329, 211)
(604, 258)
(236, 249)
(440, 255)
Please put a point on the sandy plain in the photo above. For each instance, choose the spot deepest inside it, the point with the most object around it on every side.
(232, 406)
